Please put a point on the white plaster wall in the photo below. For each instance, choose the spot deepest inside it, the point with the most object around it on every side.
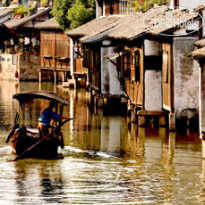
(103, 8)
(8, 68)
(105, 77)
(203, 21)
(186, 78)
(98, 10)
(153, 90)
(110, 83)
(188, 30)
(190, 4)
(202, 98)
(153, 78)
(152, 48)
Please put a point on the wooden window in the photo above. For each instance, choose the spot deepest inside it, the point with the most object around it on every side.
(62, 48)
(126, 65)
(137, 65)
(47, 48)
(85, 58)
(153, 62)
(125, 6)
(110, 7)
(165, 66)
(176, 3)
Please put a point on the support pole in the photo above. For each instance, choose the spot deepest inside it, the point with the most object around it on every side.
(40, 77)
(172, 122)
(55, 77)
(64, 77)
(71, 57)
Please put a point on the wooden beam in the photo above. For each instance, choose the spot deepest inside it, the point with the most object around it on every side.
(151, 113)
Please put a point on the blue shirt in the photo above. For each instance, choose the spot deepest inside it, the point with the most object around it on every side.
(47, 115)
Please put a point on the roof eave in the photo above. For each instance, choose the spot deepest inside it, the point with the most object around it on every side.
(31, 18)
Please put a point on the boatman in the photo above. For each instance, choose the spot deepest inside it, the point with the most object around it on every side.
(45, 119)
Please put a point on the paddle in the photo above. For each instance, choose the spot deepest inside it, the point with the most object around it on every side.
(34, 145)
(16, 125)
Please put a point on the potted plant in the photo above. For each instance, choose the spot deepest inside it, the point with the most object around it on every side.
(14, 12)
(9, 50)
(6, 44)
(21, 52)
(21, 11)
(16, 48)
(21, 46)
(36, 50)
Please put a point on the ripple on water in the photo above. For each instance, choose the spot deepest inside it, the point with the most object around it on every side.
(105, 161)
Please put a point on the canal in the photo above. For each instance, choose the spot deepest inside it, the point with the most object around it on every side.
(106, 160)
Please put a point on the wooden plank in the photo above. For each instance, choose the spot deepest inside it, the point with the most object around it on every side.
(107, 10)
(54, 69)
(94, 87)
(80, 75)
(134, 88)
(151, 113)
(54, 44)
(166, 73)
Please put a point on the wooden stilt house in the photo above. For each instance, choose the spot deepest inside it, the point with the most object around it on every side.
(55, 51)
(199, 55)
(19, 59)
(168, 78)
(102, 74)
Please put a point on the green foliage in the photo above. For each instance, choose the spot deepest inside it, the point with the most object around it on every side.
(147, 4)
(72, 13)
(13, 3)
(14, 10)
(44, 3)
(21, 10)
(78, 14)
(36, 48)
(60, 10)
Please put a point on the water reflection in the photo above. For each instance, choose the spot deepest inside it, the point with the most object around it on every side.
(106, 159)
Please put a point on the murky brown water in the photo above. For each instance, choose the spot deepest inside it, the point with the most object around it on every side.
(105, 160)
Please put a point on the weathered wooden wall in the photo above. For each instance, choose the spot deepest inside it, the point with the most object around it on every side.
(166, 75)
(94, 65)
(134, 82)
(79, 66)
(55, 44)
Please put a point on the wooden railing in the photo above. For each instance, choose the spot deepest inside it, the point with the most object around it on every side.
(50, 62)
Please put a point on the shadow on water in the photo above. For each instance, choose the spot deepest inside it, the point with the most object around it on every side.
(106, 159)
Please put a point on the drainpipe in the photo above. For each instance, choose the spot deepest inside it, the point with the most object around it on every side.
(200, 98)
(71, 57)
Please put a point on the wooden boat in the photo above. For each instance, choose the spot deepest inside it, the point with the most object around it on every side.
(25, 142)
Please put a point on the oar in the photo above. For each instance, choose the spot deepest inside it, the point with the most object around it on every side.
(16, 125)
(34, 145)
